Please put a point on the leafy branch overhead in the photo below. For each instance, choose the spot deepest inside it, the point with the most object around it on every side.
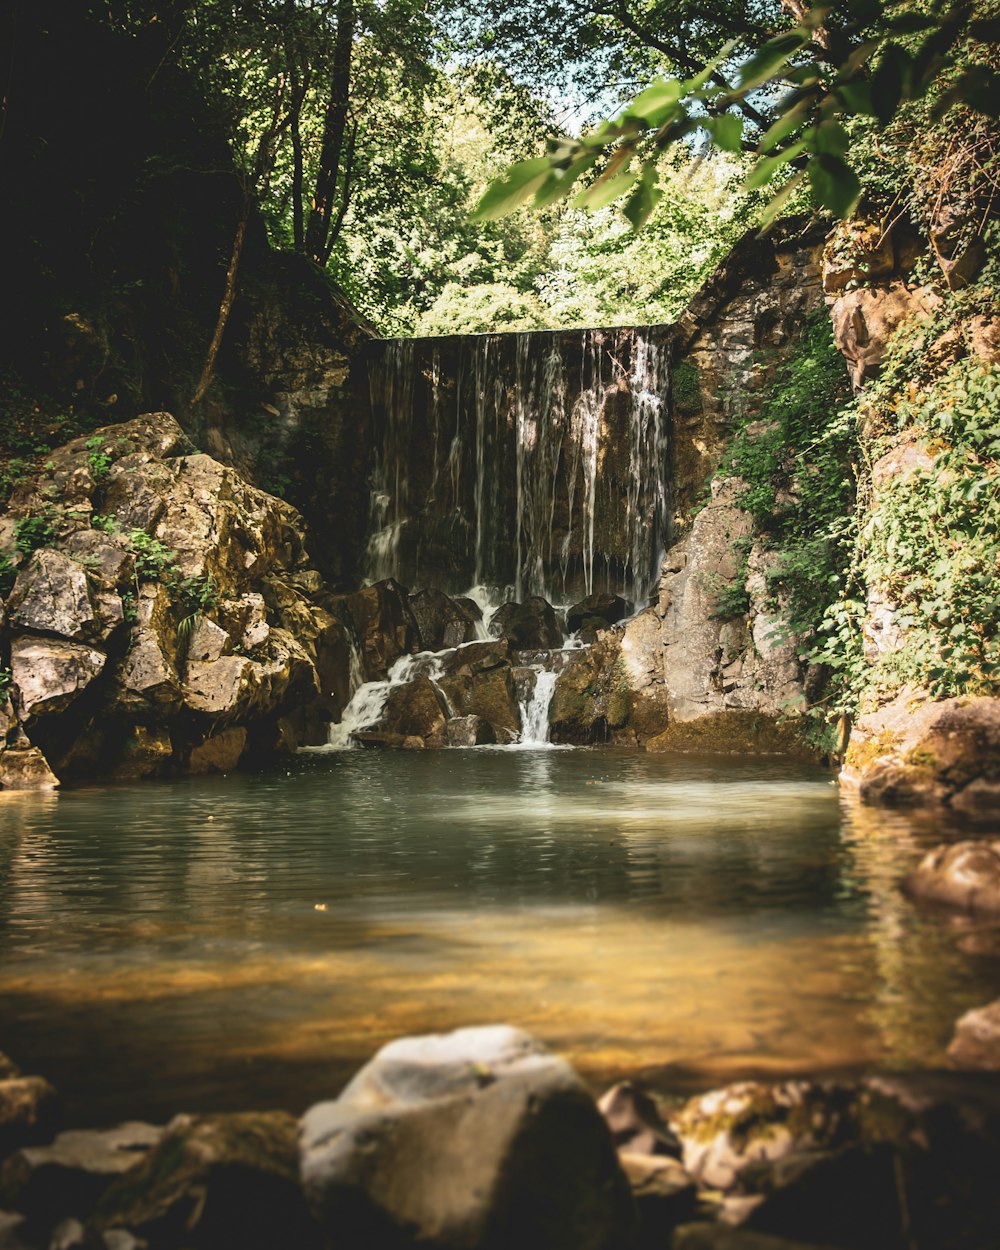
(859, 58)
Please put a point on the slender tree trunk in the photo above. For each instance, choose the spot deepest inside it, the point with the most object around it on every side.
(318, 242)
(298, 208)
(228, 298)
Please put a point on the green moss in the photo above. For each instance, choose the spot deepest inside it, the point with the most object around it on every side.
(685, 389)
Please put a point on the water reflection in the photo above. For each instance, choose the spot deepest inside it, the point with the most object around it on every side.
(249, 940)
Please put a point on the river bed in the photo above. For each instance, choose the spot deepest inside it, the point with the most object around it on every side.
(249, 941)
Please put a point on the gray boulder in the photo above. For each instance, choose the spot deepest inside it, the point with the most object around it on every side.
(475, 1139)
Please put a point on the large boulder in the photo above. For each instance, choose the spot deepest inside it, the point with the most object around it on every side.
(443, 623)
(916, 750)
(53, 595)
(414, 709)
(475, 1140)
(50, 674)
(606, 608)
(530, 626)
(214, 1182)
(488, 692)
(383, 625)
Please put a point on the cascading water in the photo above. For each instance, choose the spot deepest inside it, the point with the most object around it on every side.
(535, 462)
(535, 710)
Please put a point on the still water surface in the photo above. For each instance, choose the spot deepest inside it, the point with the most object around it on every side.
(250, 940)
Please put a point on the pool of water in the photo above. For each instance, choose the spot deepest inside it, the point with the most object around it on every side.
(249, 941)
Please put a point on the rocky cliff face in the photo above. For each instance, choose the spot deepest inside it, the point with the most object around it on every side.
(164, 615)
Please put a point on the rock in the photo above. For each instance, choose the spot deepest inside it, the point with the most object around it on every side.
(442, 622)
(592, 696)
(219, 753)
(12, 1232)
(727, 1130)
(976, 1043)
(68, 1234)
(29, 1111)
(965, 875)
(383, 625)
(478, 1138)
(147, 676)
(220, 688)
(722, 1237)
(864, 320)
(8, 1068)
(664, 1196)
(414, 709)
(374, 740)
(105, 556)
(207, 641)
(918, 750)
(144, 753)
(469, 731)
(530, 626)
(245, 620)
(635, 1123)
(49, 674)
(488, 693)
(51, 1183)
(52, 596)
(213, 1182)
(22, 765)
(476, 657)
(603, 607)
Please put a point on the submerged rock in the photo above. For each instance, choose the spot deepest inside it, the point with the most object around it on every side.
(475, 1139)
(965, 875)
(976, 1043)
(469, 731)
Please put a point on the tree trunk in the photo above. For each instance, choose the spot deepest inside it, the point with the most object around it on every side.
(228, 297)
(318, 240)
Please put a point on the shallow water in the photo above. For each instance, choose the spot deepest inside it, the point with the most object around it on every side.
(250, 940)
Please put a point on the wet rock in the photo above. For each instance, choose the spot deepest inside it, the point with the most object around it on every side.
(606, 608)
(50, 674)
(213, 1182)
(635, 1122)
(664, 1196)
(965, 875)
(219, 753)
(414, 709)
(976, 1043)
(530, 626)
(383, 625)
(29, 1112)
(442, 622)
(51, 1183)
(145, 753)
(469, 731)
(22, 765)
(488, 693)
(592, 696)
(476, 1138)
(375, 740)
(476, 657)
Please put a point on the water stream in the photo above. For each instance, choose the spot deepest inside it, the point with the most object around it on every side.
(250, 940)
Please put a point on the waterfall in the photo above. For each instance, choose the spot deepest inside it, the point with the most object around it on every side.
(530, 463)
(535, 709)
(367, 703)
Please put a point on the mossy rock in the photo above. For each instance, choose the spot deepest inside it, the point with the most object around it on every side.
(735, 732)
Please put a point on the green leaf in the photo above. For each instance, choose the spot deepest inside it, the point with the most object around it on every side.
(764, 63)
(563, 180)
(857, 97)
(831, 137)
(605, 190)
(727, 131)
(519, 184)
(643, 199)
(695, 84)
(656, 103)
(834, 184)
(767, 166)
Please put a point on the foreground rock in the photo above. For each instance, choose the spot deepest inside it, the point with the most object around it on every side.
(187, 633)
(214, 1182)
(965, 875)
(530, 626)
(917, 750)
(479, 1138)
(67, 1178)
(29, 1112)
